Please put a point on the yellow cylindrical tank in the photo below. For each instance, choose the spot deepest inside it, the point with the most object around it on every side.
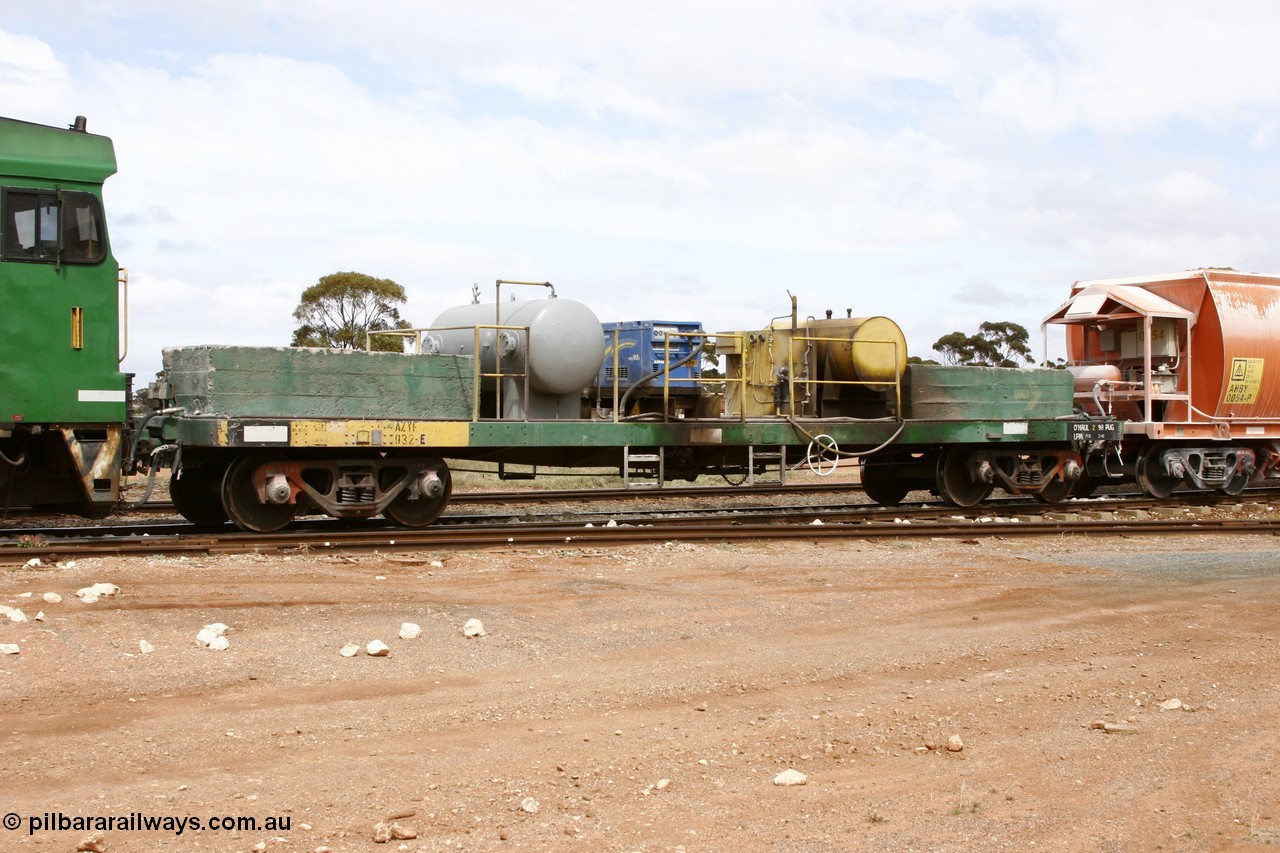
(861, 349)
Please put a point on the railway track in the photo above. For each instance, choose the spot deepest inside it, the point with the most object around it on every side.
(521, 497)
(543, 496)
(595, 528)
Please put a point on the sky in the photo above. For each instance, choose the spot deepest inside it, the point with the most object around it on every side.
(938, 162)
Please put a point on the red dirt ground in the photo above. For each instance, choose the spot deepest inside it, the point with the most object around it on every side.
(645, 698)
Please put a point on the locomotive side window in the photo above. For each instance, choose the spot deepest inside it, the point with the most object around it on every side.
(31, 227)
(81, 229)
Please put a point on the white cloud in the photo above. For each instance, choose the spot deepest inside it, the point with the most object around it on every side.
(30, 77)
(932, 162)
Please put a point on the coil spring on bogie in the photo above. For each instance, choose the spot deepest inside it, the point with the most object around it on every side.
(1029, 476)
(353, 495)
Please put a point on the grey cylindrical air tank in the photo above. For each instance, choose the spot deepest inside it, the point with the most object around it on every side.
(566, 343)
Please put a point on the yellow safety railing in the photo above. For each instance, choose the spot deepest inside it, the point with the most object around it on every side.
(498, 374)
(744, 381)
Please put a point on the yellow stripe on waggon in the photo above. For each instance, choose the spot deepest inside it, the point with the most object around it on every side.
(312, 433)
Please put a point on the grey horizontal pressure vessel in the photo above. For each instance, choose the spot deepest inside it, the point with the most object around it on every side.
(565, 340)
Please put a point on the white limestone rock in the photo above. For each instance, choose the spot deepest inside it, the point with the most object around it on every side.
(377, 649)
(790, 777)
(410, 631)
(92, 594)
(93, 843)
(473, 628)
(213, 637)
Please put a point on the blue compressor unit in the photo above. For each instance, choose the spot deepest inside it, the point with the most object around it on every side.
(642, 346)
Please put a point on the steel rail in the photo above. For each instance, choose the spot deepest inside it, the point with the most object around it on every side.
(1024, 509)
(1021, 508)
(543, 496)
(576, 535)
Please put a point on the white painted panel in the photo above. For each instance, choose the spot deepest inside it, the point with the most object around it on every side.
(277, 433)
(88, 395)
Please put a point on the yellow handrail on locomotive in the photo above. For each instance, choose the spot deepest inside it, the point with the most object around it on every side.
(122, 279)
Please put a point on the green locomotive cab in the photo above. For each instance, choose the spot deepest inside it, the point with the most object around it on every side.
(63, 397)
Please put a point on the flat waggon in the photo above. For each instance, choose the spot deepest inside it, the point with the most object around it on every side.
(1167, 386)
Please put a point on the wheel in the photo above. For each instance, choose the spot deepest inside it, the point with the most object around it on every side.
(1152, 478)
(1085, 486)
(823, 455)
(1237, 484)
(882, 485)
(1055, 491)
(955, 486)
(196, 493)
(241, 501)
(421, 511)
